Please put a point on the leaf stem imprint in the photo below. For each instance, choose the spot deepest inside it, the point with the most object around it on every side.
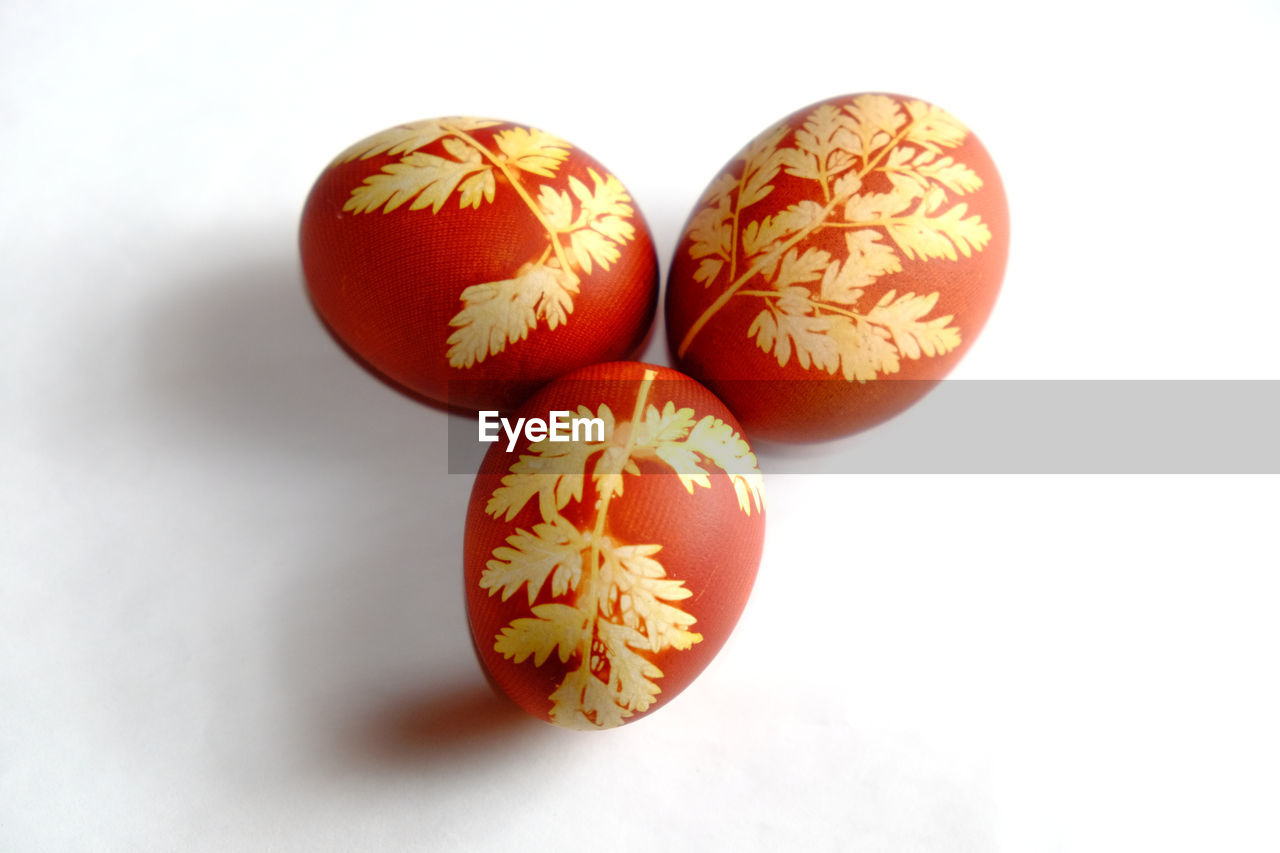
(624, 605)
(761, 263)
(880, 155)
(764, 261)
(822, 306)
(500, 164)
(589, 593)
(733, 229)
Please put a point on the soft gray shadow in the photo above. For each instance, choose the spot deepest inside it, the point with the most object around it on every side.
(361, 602)
(441, 727)
(238, 350)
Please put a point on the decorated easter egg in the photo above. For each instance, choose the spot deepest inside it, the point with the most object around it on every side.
(612, 539)
(839, 266)
(471, 260)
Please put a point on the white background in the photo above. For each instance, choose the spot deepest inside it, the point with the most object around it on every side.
(231, 609)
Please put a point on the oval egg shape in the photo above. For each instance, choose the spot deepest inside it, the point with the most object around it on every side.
(605, 571)
(471, 260)
(839, 266)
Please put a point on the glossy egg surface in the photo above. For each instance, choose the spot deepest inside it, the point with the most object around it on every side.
(477, 250)
(604, 573)
(839, 266)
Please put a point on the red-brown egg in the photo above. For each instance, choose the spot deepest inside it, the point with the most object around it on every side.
(604, 572)
(471, 260)
(839, 266)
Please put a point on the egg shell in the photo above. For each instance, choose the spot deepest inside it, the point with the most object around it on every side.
(471, 260)
(839, 266)
(593, 608)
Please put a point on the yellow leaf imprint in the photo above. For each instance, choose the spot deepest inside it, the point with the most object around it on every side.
(585, 229)
(812, 302)
(615, 604)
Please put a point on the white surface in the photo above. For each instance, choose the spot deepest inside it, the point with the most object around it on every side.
(231, 611)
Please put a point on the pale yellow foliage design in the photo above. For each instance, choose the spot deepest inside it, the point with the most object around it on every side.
(615, 605)
(814, 307)
(585, 226)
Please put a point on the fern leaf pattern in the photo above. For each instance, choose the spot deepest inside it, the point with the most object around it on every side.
(585, 227)
(602, 606)
(884, 178)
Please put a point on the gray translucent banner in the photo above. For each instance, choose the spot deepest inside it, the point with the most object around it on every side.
(1031, 427)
